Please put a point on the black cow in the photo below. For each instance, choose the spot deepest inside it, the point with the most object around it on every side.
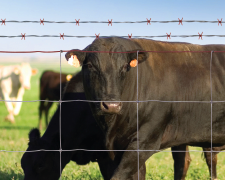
(110, 80)
(78, 131)
(50, 90)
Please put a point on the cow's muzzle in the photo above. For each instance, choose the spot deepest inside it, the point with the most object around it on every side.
(111, 107)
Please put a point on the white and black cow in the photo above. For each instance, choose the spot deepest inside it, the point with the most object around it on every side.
(14, 80)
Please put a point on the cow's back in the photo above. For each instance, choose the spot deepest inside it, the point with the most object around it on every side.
(9, 80)
(50, 85)
(183, 71)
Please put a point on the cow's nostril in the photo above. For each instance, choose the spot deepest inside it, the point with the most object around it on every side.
(105, 106)
(110, 107)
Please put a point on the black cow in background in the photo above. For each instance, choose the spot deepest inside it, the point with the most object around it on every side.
(78, 131)
(50, 90)
(109, 79)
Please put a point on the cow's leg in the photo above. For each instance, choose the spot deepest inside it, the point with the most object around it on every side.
(47, 107)
(142, 173)
(9, 107)
(208, 161)
(182, 161)
(13, 99)
(18, 104)
(128, 166)
(150, 133)
(41, 109)
(107, 168)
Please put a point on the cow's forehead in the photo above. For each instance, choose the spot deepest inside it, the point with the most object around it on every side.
(109, 53)
(108, 61)
(107, 44)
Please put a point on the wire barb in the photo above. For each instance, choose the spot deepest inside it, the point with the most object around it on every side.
(130, 36)
(42, 21)
(110, 22)
(148, 21)
(168, 35)
(180, 21)
(3, 21)
(23, 36)
(97, 36)
(220, 22)
(61, 36)
(200, 35)
(77, 22)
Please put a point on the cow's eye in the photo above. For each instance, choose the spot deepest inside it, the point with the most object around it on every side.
(89, 66)
(126, 67)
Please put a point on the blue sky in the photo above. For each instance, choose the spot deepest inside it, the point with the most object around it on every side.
(98, 10)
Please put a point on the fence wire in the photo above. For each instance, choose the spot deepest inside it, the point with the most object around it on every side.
(77, 22)
(137, 101)
(127, 36)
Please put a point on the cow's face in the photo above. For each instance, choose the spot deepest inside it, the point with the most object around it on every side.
(41, 165)
(25, 72)
(104, 74)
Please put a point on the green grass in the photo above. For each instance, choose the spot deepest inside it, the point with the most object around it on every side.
(14, 137)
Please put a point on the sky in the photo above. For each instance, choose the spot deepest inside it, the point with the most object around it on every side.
(99, 10)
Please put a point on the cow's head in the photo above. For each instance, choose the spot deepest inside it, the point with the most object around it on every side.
(42, 165)
(104, 73)
(24, 71)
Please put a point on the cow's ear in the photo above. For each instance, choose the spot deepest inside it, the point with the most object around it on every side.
(75, 57)
(34, 71)
(134, 59)
(34, 135)
(16, 70)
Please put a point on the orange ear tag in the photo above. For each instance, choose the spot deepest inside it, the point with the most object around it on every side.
(73, 61)
(68, 77)
(134, 63)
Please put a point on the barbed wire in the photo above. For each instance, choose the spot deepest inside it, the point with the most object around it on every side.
(23, 36)
(110, 22)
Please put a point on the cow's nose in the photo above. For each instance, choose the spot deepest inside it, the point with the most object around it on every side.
(111, 107)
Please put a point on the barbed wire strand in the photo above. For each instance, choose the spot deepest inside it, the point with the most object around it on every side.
(72, 36)
(116, 22)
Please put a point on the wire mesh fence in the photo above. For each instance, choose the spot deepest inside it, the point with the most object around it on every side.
(138, 150)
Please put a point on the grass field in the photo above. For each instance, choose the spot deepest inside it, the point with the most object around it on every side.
(14, 137)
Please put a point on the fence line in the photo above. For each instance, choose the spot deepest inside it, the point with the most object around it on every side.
(110, 22)
(62, 36)
(137, 101)
(99, 150)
